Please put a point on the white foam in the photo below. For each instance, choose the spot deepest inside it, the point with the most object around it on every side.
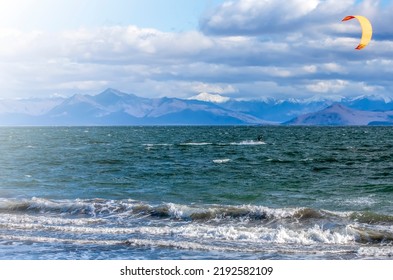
(162, 144)
(40, 239)
(9, 219)
(376, 251)
(252, 235)
(90, 208)
(96, 208)
(225, 224)
(151, 146)
(232, 236)
(177, 211)
(184, 211)
(366, 201)
(184, 245)
(258, 234)
(196, 144)
(314, 235)
(279, 213)
(204, 232)
(177, 244)
(224, 160)
(249, 142)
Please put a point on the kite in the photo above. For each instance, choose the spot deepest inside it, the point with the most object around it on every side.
(367, 30)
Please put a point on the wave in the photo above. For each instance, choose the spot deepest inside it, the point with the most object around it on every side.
(196, 144)
(43, 239)
(376, 235)
(202, 245)
(187, 237)
(241, 143)
(207, 233)
(368, 217)
(102, 208)
(77, 207)
(160, 144)
(154, 146)
(248, 142)
(222, 225)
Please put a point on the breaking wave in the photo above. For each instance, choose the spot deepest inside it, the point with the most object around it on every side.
(101, 208)
(241, 228)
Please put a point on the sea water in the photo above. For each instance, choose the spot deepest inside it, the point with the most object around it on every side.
(196, 192)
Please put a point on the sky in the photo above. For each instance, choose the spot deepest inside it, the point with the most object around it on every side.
(245, 49)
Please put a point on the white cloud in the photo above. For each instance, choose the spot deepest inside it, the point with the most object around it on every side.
(333, 67)
(255, 16)
(271, 16)
(310, 68)
(327, 86)
(369, 88)
(213, 88)
(93, 85)
(344, 88)
(251, 49)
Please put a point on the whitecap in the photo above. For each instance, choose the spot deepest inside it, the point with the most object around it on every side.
(196, 144)
(224, 160)
(160, 144)
(249, 142)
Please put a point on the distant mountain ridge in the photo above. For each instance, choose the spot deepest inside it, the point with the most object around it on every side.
(113, 107)
(339, 115)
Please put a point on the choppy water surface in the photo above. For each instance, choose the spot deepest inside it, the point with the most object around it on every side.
(196, 193)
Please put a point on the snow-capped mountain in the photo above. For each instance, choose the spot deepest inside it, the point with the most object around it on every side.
(208, 97)
(113, 107)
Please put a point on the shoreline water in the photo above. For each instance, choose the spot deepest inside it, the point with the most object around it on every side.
(196, 193)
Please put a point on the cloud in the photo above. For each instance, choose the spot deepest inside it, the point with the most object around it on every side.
(298, 19)
(215, 88)
(327, 86)
(245, 49)
(269, 17)
(126, 56)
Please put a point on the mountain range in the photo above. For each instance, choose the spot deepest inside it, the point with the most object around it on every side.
(113, 107)
(338, 114)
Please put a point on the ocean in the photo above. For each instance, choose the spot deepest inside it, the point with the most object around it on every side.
(196, 193)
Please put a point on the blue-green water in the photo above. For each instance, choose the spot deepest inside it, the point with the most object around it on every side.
(196, 193)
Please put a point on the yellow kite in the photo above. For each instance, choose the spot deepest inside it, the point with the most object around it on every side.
(367, 30)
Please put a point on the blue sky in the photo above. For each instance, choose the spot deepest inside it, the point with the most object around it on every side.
(247, 49)
(55, 15)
